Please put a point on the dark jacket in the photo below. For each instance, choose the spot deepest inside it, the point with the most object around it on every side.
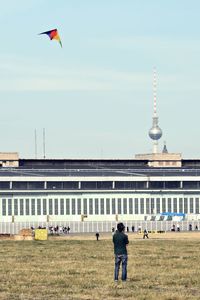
(120, 240)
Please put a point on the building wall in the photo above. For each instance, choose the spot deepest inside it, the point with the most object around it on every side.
(52, 207)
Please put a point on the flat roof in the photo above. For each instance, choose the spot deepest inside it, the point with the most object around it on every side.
(99, 172)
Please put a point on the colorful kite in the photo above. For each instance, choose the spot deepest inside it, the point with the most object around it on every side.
(53, 35)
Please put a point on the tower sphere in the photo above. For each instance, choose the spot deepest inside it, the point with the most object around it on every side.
(155, 133)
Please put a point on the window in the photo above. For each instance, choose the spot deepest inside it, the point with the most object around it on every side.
(4, 185)
(107, 206)
(157, 185)
(44, 207)
(21, 207)
(27, 185)
(125, 206)
(93, 185)
(157, 205)
(136, 206)
(152, 206)
(130, 205)
(185, 205)
(67, 202)
(79, 206)
(50, 207)
(62, 206)
(56, 207)
(169, 204)
(35, 185)
(197, 205)
(175, 205)
(163, 205)
(27, 207)
(181, 205)
(91, 206)
(102, 206)
(191, 185)
(33, 207)
(16, 207)
(113, 206)
(172, 184)
(9, 207)
(96, 206)
(88, 185)
(130, 185)
(85, 206)
(119, 205)
(4, 207)
(70, 185)
(142, 205)
(73, 207)
(104, 185)
(20, 185)
(147, 206)
(38, 207)
(191, 206)
(54, 185)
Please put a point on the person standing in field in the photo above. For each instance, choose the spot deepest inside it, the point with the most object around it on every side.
(120, 240)
(97, 235)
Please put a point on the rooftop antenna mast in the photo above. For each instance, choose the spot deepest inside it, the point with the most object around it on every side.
(155, 132)
(44, 144)
(35, 144)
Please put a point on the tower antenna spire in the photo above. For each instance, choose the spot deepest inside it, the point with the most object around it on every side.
(154, 93)
(155, 132)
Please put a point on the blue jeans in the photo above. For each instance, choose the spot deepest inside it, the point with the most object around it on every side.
(122, 258)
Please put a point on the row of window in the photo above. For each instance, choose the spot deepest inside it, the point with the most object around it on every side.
(98, 185)
(98, 206)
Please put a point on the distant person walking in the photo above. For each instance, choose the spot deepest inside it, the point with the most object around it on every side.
(120, 240)
(146, 234)
(97, 235)
(113, 231)
(139, 229)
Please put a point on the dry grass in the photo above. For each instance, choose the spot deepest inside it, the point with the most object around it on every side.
(164, 267)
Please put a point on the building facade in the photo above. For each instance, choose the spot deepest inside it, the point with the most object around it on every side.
(97, 190)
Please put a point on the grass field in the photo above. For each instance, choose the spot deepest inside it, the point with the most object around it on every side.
(78, 267)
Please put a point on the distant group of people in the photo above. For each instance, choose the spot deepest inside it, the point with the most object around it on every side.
(190, 227)
(59, 230)
(174, 228)
(54, 229)
(177, 228)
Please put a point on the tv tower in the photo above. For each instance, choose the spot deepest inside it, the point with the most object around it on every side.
(155, 132)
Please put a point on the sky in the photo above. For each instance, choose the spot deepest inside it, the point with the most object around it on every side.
(94, 96)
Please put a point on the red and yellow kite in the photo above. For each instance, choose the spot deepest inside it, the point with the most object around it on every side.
(53, 35)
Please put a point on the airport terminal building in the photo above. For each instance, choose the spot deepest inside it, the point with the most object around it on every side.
(83, 190)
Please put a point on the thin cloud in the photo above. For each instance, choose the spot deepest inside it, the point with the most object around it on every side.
(22, 75)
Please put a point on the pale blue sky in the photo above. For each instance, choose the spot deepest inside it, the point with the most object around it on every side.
(94, 96)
